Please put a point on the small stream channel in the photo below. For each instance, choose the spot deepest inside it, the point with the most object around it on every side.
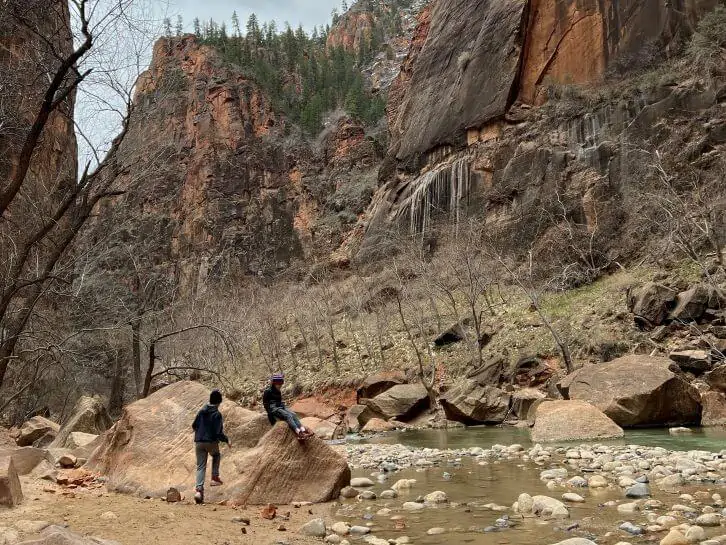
(472, 487)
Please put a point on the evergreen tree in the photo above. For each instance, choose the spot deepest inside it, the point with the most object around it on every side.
(167, 27)
(253, 29)
(344, 6)
(179, 25)
(197, 27)
(235, 25)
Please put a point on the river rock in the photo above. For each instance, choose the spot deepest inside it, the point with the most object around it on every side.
(628, 508)
(597, 481)
(637, 391)
(361, 482)
(11, 493)
(572, 497)
(674, 537)
(709, 519)
(558, 421)
(714, 409)
(436, 531)
(403, 484)
(695, 534)
(377, 425)
(349, 492)
(359, 530)
(154, 432)
(340, 528)
(412, 506)
(436, 497)
(639, 490)
(388, 494)
(472, 404)
(367, 495)
(89, 416)
(632, 529)
(576, 541)
(37, 431)
(549, 507)
(314, 528)
(403, 402)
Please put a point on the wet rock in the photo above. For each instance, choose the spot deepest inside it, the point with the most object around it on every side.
(472, 404)
(597, 481)
(680, 431)
(577, 482)
(637, 391)
(668, 483)
(402, 402)
(314, 528)
(340, 528)
(639, 490)
(435, 531)
(631, 528)
(714, 409)
(549, 507)
(572, 420)
(413, 506)
(349, 492)
(403, 484)
(628, 508)
(436, 497)
(709, 519)
(572, 497)
(359, 530)
(389, 494)
(35, 430)
(377, 425)
(361, 482)
(552, 474)
(367, 495)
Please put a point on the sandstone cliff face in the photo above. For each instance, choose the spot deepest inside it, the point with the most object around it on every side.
(467, 134)
(216, 184)
(24, 57)
(479, 57)
(354, 27)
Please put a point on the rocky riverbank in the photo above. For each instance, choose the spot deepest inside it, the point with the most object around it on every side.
(590, 492)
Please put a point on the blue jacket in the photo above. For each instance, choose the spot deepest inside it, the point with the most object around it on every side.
(208, 426)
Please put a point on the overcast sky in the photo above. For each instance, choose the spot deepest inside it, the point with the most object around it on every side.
(309, 13)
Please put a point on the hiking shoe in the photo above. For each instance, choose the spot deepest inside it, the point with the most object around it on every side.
(198, 496)
(216, 481)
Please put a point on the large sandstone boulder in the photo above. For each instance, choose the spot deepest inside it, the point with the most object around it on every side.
(377, 384)
(150, 449)
(716, 379)
(37, 430)
(403, 402)
(324, 429)
(637, 391)
(493, 372)
(11, 494)
(89, 416)
(25, 459)
(714, 409)
(692, 304)
(557, 421)
(523, 400)
(57, 535)
(281, 470)
(312, 407)
(650, 304)
(472, 404)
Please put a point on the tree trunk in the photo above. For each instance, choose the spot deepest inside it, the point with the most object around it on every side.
(136, 349)
(150, 369)
(116, 399)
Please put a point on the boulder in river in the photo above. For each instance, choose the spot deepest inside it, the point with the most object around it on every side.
(151, 449)
(714, 409)
(572, 421)
(636, 391)
(472, 404)
(89, 416)
(11, 493)
(403, 402)
(38, 431)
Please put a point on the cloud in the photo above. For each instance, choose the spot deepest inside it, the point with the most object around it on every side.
(309, 13)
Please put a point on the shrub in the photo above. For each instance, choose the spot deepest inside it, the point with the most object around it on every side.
(708, 44)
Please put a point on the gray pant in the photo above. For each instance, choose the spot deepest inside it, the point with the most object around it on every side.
(203, 450)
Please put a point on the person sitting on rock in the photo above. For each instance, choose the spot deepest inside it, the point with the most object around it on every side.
(276, 410)
(208, 429)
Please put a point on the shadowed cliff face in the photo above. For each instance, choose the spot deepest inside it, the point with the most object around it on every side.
(217, 186)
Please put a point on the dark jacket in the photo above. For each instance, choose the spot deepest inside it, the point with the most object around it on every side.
(271, 400)
(209, 426)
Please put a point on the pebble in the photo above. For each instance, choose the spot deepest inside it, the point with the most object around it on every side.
(597, 481)
(572, 497)
(631, 528)
(436, 497)
(367, 495)
(436, 531)
(359, 530)
(361, 482)
(388, 495)
(109, 515)
(335, 539)
(340, 528)
(628, 508)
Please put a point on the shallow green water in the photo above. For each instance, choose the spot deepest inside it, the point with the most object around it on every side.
(711, 439)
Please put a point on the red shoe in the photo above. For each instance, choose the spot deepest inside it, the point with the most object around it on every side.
(216, 481)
